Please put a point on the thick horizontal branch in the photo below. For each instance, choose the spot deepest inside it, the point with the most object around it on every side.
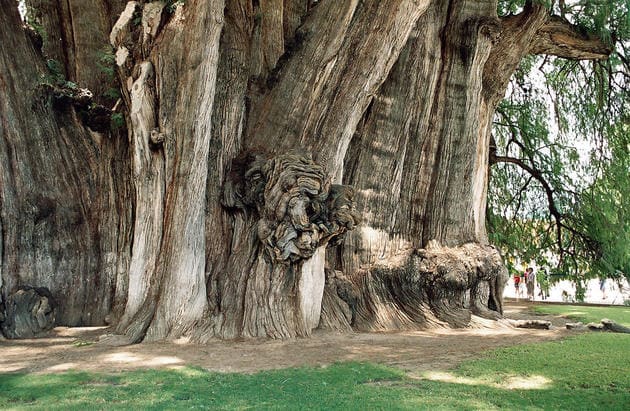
(560, 38)
(513, 43)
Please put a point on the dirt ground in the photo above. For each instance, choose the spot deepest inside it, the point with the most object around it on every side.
(77, 349)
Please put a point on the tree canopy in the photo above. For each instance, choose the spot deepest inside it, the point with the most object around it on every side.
(560, 193)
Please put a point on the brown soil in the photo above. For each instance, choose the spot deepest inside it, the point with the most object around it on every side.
(77, 349)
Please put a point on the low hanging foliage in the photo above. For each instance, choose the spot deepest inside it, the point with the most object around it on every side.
(559, 190)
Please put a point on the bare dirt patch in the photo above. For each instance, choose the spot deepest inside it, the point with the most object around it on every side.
(77, 349)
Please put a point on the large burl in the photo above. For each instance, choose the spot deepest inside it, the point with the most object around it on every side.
(299, 210)
(296, 213)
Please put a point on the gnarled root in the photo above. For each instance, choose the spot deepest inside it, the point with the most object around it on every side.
(434, 287)
(29, 312)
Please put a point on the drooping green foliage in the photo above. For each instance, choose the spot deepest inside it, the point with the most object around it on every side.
(604, 209)
(562, 198)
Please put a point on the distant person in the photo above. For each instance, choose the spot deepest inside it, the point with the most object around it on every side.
(542, 277)
(602, 287)
(517, 288)
(530, 281)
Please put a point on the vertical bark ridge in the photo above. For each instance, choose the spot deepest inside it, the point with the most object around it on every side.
(452, 188)
(230, 110)
(268, 36)
(332, 94)
(415, 164)
(323, 33)
(174, 302)
(148, 171)
(391, 167)
(293, 13)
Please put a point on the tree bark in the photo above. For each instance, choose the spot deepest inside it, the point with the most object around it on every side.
(170, 132)
(75, 34)
(63, 187)
(259, 135)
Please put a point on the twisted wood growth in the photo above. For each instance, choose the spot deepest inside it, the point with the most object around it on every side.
(299, 209)
(433, 287)
(166, 229)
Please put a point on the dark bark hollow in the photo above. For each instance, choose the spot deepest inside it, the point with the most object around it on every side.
(289, 212)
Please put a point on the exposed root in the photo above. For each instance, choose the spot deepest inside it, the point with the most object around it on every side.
(114, 340)
(604, 325)
(427, 288)
(535, 324)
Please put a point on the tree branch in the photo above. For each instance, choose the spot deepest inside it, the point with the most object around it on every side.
(560, 38)
(536, 174)
(553, 209)
(518, 196)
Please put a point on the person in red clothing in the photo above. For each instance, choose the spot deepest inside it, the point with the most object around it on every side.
(517, 285)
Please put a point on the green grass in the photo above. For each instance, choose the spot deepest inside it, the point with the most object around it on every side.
(586, 314)
(585, 372)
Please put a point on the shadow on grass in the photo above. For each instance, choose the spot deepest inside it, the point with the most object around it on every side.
(586, 372)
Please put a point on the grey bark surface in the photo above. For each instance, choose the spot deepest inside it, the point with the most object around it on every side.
(28, 312)
(170, 133)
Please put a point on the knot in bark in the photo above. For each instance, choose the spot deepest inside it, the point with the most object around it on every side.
(29, 312)
(298, 209)
(156, 138)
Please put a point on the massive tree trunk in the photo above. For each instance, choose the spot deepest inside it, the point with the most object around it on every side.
(285, 164)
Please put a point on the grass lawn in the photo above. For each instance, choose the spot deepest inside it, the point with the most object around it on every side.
(586, 314)
(585, 372)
